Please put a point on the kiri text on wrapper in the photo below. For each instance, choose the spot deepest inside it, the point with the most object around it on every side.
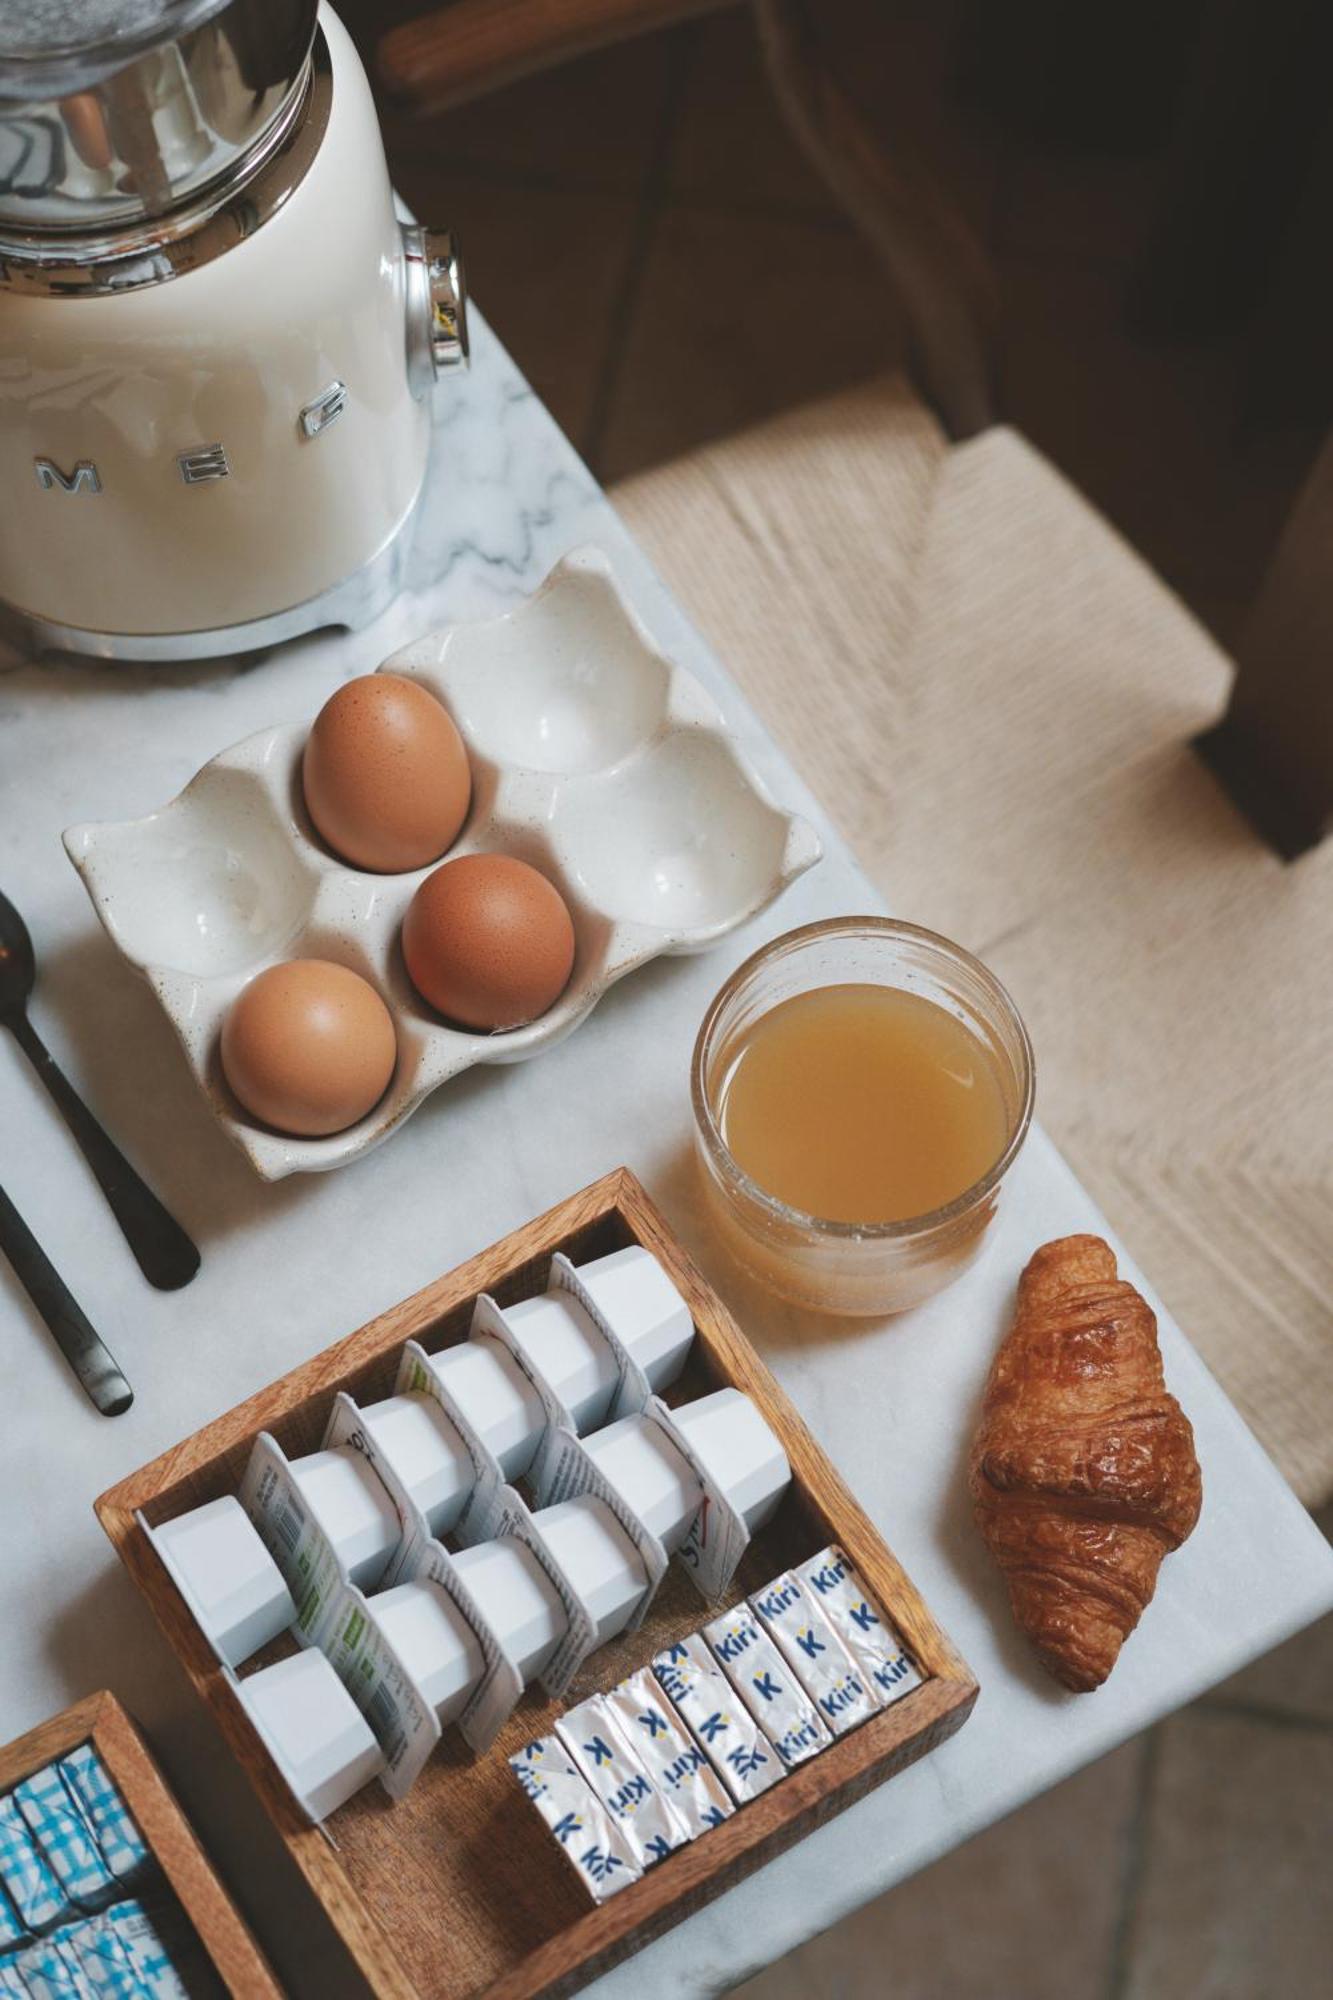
(864, 1631)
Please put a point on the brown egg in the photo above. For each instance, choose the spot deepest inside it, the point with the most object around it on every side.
(489, 941)
(386, 775)
(308, 1047)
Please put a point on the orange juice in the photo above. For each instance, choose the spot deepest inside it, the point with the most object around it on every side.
(862, 1104)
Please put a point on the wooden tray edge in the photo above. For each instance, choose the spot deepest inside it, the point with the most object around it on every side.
(100, 1719)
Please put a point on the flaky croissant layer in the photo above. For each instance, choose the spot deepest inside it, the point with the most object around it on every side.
(1083, 1472)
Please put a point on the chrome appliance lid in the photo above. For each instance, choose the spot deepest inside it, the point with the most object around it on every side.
(113, 112)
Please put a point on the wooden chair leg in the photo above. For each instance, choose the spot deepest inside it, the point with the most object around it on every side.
(940, 270)
(1273, 749)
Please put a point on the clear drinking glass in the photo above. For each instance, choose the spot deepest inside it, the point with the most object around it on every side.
(844, 1267)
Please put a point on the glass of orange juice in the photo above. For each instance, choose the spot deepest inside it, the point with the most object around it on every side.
(860, 1087)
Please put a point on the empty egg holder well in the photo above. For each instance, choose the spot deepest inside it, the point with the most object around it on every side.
(451, 1888)
(593, 757)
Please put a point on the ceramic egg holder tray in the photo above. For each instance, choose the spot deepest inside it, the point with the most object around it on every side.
(455, 1887)
(593, 757)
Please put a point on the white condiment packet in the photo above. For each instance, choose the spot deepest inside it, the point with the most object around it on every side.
(858, 1622)
(767, 1685)
(667, 1751)
(787, 1609)
(616, 1773)
(717, 1718)
(589, 1837)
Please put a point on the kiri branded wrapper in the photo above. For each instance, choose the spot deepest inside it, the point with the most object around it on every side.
(27, 1878)
(767, 1685)
(864, 1631)
(612, 1768)
(589, 1837)
(816, 1655)
(95, 1793)
(717, 1718)
(668, 1753)
(64, 1838)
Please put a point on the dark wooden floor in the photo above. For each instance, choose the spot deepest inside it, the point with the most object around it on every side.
(645, 235)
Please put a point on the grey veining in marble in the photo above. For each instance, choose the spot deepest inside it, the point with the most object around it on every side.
(288, 1268)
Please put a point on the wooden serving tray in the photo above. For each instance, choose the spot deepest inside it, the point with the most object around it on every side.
(100, 1720)
(457, 1891)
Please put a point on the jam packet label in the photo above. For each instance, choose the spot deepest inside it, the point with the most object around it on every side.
(497, 1692)
(307, 1561)
(651, 1828)
(720, 1723)
(589, 1837)
(669, 1754)
(767, 1685)
(24, 1874)
(863, 1629)
(815, 1654)
(95, 1793)
(400, 1718)
(61, 1833)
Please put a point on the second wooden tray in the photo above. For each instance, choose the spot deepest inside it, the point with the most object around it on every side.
(457, 1890)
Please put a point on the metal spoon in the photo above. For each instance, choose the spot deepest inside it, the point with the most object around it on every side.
(165, 1254)
(86, 1353)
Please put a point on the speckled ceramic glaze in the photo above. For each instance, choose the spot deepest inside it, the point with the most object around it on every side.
(593, 757)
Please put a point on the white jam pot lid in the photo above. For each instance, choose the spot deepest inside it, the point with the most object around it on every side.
(315, 1732)
(504, 1407)
(415, 1437)
(227, 1577)
(434, 1642)
(653, 1478)
(599, 1559)
(638, 1301)
(738, 1450)
(563, 1346)
(351, 1504)
(518, 1600)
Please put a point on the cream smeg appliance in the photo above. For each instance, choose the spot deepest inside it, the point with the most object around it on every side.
(216, 341)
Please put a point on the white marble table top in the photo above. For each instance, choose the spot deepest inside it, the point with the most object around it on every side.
(288, 1268)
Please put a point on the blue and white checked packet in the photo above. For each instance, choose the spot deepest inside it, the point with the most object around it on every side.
(65, 1839)
(93, 1791)
(28, 1881)
(69, 1846)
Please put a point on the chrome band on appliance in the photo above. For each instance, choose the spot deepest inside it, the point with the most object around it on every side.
(351, 603)
(436, 304)
(120, 130)
(149, 252)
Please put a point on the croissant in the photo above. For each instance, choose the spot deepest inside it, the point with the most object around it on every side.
(1083, 1473)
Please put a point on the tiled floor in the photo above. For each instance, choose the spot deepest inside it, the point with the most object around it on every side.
(666, 267)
